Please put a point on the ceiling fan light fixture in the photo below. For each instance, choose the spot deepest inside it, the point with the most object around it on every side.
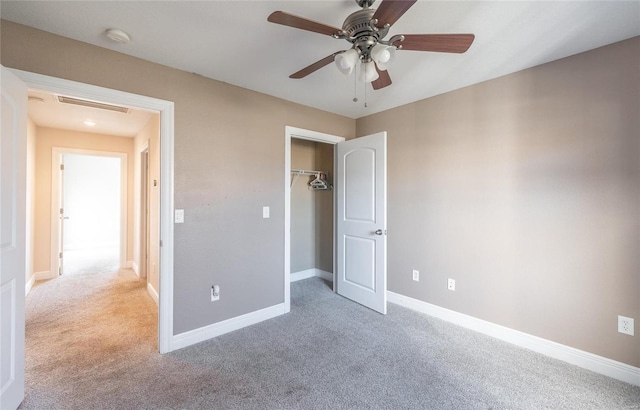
(347, 61)
(383, 55)
(368, 72)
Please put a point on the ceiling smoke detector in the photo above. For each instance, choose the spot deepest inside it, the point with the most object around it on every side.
(118, 36)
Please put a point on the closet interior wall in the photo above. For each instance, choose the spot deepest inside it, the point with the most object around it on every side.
(311, 211)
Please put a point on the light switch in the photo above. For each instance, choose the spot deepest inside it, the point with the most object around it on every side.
(265, 212)
(179, 216)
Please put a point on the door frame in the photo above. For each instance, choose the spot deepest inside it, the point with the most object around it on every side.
(299, 133)
(143, 222)
(56, 85)
(56, 246)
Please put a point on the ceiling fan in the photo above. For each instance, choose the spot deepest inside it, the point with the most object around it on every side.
(365, 30)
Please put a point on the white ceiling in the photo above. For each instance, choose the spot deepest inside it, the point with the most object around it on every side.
(46, 111)
(231, 41)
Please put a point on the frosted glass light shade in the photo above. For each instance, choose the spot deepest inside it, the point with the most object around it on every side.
(347, 61)
(368, 72)
(383, 55)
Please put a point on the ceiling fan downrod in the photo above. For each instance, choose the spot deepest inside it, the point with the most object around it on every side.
(365, 3)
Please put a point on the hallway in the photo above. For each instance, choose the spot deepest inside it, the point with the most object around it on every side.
(86, 327)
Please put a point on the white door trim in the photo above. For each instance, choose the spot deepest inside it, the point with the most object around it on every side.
(166, 109)
(141, 244)
(56, 247)
(299, 133)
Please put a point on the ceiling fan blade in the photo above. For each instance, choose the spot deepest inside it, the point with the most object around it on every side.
(443, 43)
(383, 79)
(391, 10)
(315, 66)
(286, 19)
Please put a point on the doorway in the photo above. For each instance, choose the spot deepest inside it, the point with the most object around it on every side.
(33, 81)
(303, 135)
(311, 209)
(360, 217)
(92, 197)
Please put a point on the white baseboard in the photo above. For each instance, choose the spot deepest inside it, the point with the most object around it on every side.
(152, 292)
(310, 273)
(44, 275)
(580, 358)
(134, 266)
(204, 333)
(29, 284)
(324, 275)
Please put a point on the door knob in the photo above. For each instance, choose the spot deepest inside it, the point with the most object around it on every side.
(378, 232)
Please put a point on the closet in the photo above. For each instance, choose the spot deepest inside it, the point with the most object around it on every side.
(311, 209)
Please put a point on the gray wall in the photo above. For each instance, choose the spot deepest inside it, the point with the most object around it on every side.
(324, 210)
(229, 163)
(526, 191)
(303, 208)
(311, 211)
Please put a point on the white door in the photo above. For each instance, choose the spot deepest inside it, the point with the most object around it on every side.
(13, 169)
(361, 221)
(90, 214)
(61, 217)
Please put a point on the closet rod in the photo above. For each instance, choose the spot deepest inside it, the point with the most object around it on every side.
(299, 172)
(306, 172)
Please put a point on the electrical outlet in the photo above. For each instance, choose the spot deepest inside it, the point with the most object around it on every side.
(215, 293)
(451, 284)
(416, 275)
(625, 325)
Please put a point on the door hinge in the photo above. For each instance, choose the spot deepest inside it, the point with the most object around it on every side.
(61, 211)
(161, 243)
(60, 255)
(61, 167)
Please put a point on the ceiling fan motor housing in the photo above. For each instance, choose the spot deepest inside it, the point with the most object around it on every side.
(359, 30)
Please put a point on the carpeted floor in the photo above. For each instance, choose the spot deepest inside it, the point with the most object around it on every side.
(91, 261)
(91, 344)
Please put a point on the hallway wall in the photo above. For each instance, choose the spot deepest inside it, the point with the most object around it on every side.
(150, 135)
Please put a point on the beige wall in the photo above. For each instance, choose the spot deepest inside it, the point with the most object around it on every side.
(229, 163)
(311, 211)
(148, 137)
(46, 140)
(526, 191)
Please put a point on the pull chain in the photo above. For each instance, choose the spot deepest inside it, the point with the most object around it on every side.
(365, 95)
(355, 82)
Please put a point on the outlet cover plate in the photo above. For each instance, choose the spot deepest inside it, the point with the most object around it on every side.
(451, 284)
(416, 275)
(625, 325)
(215, 293)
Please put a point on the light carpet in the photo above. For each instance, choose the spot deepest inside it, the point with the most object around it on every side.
(91, 344)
